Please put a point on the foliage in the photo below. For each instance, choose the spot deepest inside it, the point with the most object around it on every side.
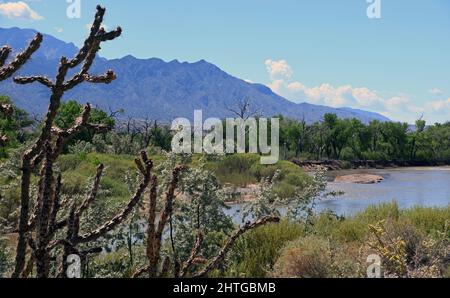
(350, 139)
(347, 242)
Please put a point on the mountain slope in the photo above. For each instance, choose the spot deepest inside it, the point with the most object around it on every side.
(157, 89)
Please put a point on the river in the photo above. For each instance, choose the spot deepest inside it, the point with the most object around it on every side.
(409, 187)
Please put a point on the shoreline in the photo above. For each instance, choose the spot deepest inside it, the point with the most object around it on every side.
(339, 165)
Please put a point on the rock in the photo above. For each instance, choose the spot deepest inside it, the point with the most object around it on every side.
(359, 179)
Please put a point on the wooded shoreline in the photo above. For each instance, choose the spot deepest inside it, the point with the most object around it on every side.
(336, 165)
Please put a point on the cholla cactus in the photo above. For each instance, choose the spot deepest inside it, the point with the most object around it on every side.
(45, 151)
(6, 71)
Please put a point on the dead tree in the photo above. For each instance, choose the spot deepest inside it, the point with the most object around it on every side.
(6, 71)
(155, 230)
(48, 146)
(242, 109)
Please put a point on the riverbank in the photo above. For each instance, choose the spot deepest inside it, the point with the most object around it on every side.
(337, 165)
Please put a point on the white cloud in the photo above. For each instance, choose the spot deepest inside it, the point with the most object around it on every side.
(397, 107)
(19, 10)
(278, 69)
(59, 29)
(436, 91)
(440, 106)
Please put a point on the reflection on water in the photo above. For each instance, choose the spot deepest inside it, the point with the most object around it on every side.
(409, 187)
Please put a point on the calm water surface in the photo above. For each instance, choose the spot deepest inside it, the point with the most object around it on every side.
(409, 187)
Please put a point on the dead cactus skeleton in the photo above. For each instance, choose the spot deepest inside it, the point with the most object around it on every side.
(6, 71)
(48, 146)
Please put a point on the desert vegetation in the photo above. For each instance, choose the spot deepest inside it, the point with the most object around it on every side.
(72, 185)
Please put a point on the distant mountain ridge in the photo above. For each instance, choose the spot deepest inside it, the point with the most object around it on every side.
(156, 89)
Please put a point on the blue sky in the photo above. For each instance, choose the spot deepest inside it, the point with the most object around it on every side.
(322, 51)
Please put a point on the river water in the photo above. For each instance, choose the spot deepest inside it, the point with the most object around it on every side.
(409, 187)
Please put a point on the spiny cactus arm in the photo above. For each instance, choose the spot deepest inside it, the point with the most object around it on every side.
(4, 54)
(151, 218)
(231, 240)
(64, 135)
(8, 70)
(195, 250)
(102, 79)
(29, 80)
(168, 208)
(56, 205)
(97, 33)
(84, 75)
(93, 192)
(119, 218)
(34, 155)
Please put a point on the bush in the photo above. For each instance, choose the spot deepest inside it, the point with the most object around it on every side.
(308, 257)
(407, 251)
(318, 257)
(255, 253)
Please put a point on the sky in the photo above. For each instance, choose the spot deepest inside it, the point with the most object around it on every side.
(326, 52)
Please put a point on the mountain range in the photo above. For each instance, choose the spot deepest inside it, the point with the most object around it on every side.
(155, 89)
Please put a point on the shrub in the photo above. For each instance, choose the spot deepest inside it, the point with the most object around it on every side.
(308, 257)
(255, 253)
(317, 257)
(408, 252)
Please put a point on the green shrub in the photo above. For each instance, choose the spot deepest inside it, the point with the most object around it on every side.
(255, 253)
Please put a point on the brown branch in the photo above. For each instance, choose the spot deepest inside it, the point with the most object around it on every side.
(231, 240)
